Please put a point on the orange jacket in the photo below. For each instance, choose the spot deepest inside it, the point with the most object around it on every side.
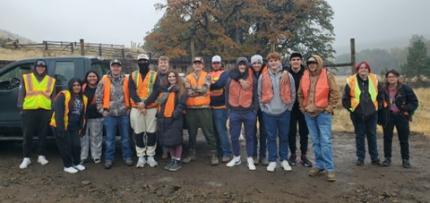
(321, 90)
(239, 97)
(267, 89)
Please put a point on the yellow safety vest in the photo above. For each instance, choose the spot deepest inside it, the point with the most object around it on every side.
(355, 91)
(38, 93)
(67, 97)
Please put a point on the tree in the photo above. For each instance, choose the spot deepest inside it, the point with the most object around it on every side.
(417, 62)
(241, 27)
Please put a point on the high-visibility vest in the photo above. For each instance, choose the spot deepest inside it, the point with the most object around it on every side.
(267, 89)
(38, 93)
(215, 76)
(169, 106)
(322, 88)
(201, 100)
(144, 87)
(239, 97)
(355, 91)
(107, 83)
(67, 97)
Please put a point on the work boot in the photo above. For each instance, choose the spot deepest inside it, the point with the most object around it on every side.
(331, 176)
(292, 160)
(191, 156)
(315, 172)
(305, 161)
(406, 163)
(386, 163)
(214, 158)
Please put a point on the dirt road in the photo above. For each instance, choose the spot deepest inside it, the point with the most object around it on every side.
(199, 182)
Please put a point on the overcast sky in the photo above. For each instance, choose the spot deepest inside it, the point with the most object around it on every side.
(120, 22)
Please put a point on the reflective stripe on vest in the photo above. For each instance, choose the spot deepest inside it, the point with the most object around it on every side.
(38, 93)
(67, 97)
(201, 100)
(215, 76)
(144, 87)
(267, 89)
(107, 85)
(322, 88)
(355, 91)
(239, 97)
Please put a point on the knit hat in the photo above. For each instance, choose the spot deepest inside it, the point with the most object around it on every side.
(257, 59)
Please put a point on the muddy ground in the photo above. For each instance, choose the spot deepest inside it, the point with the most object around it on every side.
(199, 182)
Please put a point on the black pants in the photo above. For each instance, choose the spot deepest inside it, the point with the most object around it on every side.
(35, 123)
(69, 145)
(261, 142)
(365, 128)
(402, 126)
(297, 118)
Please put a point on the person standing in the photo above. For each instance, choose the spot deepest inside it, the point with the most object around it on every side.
(400, 104)
(170, 119)
(142, 114)
(242, 105)
(199, 114)
(93, 138)
(68, 121)
(297, 69)
(362, 99)
(35, 98)
(113, 102)
(219, 78)
(276, 96)
(318, 97)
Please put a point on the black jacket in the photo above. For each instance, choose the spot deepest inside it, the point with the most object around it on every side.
(405, 99)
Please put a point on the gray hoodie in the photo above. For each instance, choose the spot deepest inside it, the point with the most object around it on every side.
(277, 106)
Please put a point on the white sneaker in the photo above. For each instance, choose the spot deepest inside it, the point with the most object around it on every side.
(141, 162)
(42, 160)
(251, 165)
(70, 170)
(80, 167)
(151, 162)
(286, 165)
(235, 161)
(271, 167)
(25, 163)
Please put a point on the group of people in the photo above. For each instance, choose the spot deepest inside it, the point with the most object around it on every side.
(268, 102)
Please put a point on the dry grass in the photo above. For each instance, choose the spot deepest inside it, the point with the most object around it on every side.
(419, 125)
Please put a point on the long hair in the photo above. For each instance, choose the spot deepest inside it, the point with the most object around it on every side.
(179, 82)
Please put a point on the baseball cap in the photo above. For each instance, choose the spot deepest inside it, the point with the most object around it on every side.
(115, 61)
(142, 57)
(198, 59)
(40, 63)
(216, 59)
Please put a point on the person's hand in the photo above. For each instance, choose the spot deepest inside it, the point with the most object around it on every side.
(143, 111)
(244, 84)
(141, 105)
(105, 113)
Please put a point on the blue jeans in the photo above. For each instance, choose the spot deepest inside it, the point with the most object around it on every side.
(111, 123)
(320, 131)
(220, 119)
(365, 128)
(277, 125)
(247, 118)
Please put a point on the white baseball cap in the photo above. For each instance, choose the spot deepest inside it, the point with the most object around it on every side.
(216, 58)
(142, 57)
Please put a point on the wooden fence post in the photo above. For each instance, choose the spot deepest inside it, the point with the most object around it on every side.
(123, 53)
(353, 56)
(45, 44)
(100, 50)
(82, 43)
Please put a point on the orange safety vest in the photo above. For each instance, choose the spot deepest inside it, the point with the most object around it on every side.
(201, 100)
(169, 106)
(355, 91)
(239, 97)
(37, 93)
(267, 89)
(215, 76)
(321, 90)
(144, 86)
(107, 83)
(67, 97)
